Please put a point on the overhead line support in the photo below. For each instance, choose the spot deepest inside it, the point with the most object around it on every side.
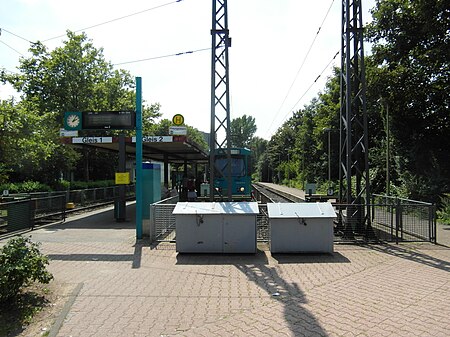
(353, 160)
(220, 135)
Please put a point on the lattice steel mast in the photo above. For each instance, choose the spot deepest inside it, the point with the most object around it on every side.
(220, 98)
(353, 159)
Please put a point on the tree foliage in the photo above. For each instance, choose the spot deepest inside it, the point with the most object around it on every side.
(73, 77)
(242, 131)
(410, 71)
(161, 128)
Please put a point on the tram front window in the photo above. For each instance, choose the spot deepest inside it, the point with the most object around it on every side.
(237, 166)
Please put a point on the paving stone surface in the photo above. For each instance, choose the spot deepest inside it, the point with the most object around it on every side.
(132, 289)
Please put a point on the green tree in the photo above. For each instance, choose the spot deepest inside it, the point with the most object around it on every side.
(73, 77)
(242, 131)
(410, 72)
(30, 148)
(162, 129)
(258, 147)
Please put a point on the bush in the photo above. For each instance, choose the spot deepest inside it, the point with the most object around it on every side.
(21, 263)
(444, 212)
(33, 186)
(25, 187)
(81, 185)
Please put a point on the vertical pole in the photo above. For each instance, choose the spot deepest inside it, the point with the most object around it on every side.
(212, 133)
(166, 170)
(138, 157)
(329, 158)
(121, 203)
(388, 183)
(220, 137)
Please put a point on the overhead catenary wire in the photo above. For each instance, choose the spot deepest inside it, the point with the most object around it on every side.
(163, 56)
(7, 45)
(16, 35)
(301, 65)
(93, 26)
(310, 86)
(116, 19)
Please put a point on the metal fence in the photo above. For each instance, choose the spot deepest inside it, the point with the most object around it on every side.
(162, 222)
(391, 220)
(25, 211)
(83, 197)
(407, 220)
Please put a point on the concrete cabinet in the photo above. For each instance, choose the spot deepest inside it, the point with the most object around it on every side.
(301, 227)
(216, 227)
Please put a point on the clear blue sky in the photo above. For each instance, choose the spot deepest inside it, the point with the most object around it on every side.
(270, 41)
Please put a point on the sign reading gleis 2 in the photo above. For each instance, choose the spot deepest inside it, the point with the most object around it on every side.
(99, 120)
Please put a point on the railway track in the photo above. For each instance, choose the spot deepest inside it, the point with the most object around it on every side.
(267, 195)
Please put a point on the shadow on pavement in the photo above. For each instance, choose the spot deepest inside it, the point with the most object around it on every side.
(100, 219)
(310, 258)
(135, 258)
(256, 268)
(221, 259)
(412, 255)
(301, 321)
(92, 257)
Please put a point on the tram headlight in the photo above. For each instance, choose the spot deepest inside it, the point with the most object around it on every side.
(241, 189)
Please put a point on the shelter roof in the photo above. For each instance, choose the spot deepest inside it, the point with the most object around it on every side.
(178, 149)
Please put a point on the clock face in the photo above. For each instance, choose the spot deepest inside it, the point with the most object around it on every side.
(73, 121)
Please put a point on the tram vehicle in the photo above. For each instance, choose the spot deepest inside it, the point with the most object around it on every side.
(240, 173)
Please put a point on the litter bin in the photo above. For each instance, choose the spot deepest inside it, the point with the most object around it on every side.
(119, 210)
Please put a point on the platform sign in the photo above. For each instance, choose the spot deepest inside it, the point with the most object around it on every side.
(154, 139)
(91, 140)
(67, 133)
(122, 178)
(178, 130)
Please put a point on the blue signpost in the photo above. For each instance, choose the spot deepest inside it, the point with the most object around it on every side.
(138, 157)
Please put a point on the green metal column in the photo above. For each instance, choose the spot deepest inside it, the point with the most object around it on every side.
(138, 157)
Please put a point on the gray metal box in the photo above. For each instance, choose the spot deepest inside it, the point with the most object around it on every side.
(216, 227)
(301, 227)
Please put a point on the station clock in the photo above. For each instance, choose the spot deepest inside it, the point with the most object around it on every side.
(73, 120)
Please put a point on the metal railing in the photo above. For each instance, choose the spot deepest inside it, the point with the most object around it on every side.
(162, 222)
(82, 197)
(25, 211)
(409, 220)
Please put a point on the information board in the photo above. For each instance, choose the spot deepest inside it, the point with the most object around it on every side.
(115, 120)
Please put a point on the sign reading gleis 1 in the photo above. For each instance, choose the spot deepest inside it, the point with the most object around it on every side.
(91, 140)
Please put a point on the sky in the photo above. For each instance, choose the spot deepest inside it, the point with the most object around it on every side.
(276, 56)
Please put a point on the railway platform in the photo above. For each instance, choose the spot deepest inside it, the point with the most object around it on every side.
(117, 286)
(299, 194)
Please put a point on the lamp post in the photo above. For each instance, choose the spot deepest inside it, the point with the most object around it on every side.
(329, 158)
(289, 168)
(385, 104)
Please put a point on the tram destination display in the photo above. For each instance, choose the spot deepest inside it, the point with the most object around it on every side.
(114, 120)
